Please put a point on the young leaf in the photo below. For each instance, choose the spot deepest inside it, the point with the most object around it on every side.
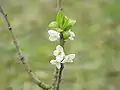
(60, 19)
(66, 20)
(70, 24)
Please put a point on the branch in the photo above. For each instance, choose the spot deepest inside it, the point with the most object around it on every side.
(57, 72)
(21, 56)
(62, 42)
(55, 78)
(58, 5)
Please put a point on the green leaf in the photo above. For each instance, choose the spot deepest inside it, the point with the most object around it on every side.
(65, 22)
(53, 24)
(69, 24)
(60, 19)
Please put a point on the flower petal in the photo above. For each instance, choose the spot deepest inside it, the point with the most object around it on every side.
(59, 58)
(69, 58)
(72, 33)
(55, 52)
(53, 38)
(54, 35)
(52, 32)
(71, 38)
(58, 65)
(54, 62)
(59, 51)
(60, 48)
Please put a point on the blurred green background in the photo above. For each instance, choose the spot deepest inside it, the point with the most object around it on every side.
(97, 44)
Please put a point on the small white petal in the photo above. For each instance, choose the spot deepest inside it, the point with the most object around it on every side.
(59, 58)
(52, 32)
(54, 62)
(71, 56)
(53, 35)
(55, 53)
(53, 38)
(71, 38)
(59, 52)
(60, 48)
(58, 65)
(72, 35)
(68, 58)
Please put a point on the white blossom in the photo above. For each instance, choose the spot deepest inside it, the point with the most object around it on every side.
(59, 53)
(68, 58)
(55, 62)
(72, 35)
(61, 57)
(54, 35)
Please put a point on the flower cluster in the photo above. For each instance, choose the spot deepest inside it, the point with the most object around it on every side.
(61, 57)
(63, 26)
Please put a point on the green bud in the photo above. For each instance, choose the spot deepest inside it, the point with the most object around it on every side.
(66, 34)
(53, 24)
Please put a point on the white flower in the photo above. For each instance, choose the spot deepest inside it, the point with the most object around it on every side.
(72, 35)
(59, 53)
(61, 57)
(54, 35)
(58, 61)
(55, 62)
(68, 58)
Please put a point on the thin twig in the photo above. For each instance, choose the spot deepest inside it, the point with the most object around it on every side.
(55, 78)
(21, 56)
(59, 5)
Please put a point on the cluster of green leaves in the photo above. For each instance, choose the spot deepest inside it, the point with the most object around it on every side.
(62, 24)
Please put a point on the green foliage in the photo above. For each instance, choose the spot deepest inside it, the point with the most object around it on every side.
(62, 24)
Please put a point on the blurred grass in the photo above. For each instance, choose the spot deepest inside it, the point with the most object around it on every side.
(97, 44)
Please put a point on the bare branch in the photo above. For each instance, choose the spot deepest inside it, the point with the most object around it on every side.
(55, 78)
(21, 56)
(58, 5)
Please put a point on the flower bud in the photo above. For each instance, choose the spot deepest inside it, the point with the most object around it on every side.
(66, 34)
(53, 24)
